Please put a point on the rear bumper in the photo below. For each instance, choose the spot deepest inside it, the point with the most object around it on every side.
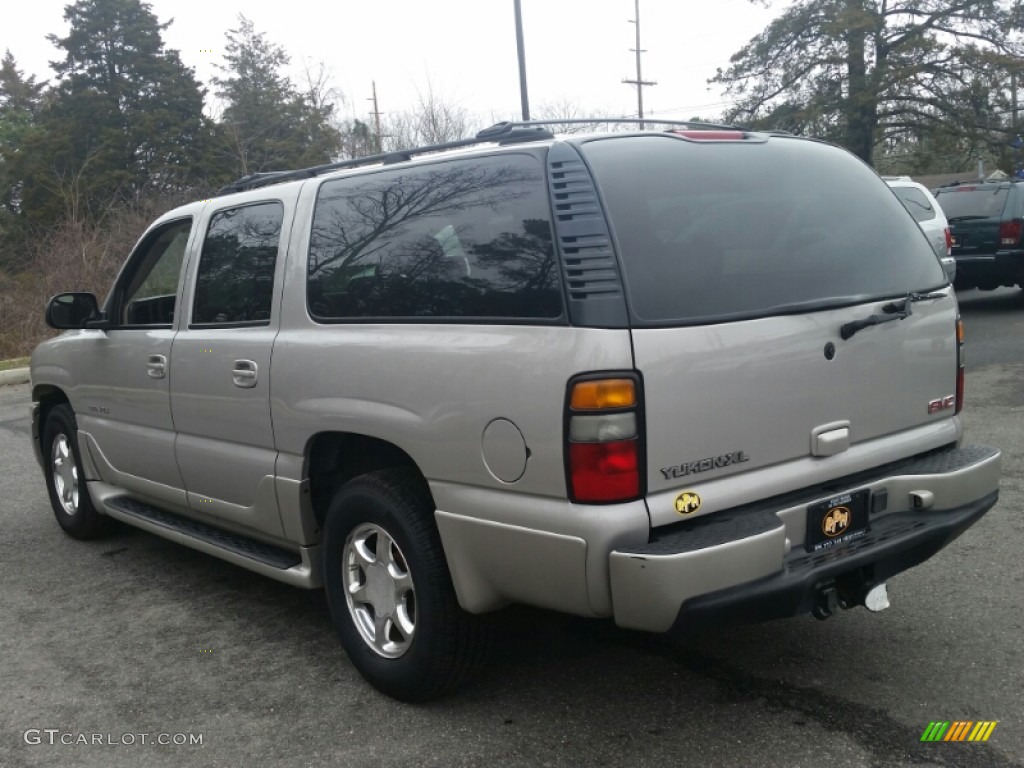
(1001, 267)
(750, 564)
(896, 543)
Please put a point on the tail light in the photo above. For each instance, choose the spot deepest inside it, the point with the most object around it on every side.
(603, 448)
(949, 241)
(1010, 231)
(959, 364)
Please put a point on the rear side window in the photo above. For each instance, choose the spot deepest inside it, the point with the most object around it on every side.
(964, 203)
(715, 231)
(468, 238)
(915, 201)
(235, 280)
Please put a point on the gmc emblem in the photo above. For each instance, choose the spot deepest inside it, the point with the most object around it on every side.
(942, 404)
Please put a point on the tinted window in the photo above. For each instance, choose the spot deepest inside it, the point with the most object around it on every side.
(236, 269)
(151, 293)
(467, 238)
(723, 230)
(915, 201)
(958, 202)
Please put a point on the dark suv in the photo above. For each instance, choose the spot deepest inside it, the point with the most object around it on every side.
(987, 221)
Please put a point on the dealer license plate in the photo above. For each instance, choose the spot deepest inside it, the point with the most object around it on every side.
(836, 521)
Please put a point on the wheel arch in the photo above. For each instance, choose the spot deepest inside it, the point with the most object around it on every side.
(334, 458)
(49, 395)
(45, 397)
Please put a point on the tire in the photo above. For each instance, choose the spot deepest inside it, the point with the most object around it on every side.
(390, 593)
(65, 480)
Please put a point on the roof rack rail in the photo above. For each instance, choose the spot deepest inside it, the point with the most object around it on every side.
(694, 124)
(502, 133)
(508, 132)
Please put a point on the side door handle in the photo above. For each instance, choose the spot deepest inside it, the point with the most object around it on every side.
(244, 374)
(156, 366)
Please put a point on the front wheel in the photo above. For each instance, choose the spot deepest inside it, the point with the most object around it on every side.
(65, 480)
(389, 590)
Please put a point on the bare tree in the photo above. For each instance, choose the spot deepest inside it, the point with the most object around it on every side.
(319, 92)
(432, 121)
(566, 109)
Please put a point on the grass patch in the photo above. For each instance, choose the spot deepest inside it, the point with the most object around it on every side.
(17, 362)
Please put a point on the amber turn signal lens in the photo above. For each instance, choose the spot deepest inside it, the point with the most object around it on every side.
(603, 393)
(959, 331)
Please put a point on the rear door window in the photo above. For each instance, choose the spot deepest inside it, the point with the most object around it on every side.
(469, 238)
(711, 231)
(235, 280)
(915, 201)
(965, 203)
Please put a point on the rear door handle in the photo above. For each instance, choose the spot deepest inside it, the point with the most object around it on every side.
(156, 366)
(244, 374)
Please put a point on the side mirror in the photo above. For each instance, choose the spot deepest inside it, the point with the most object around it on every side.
(71, 310)
(949, 264)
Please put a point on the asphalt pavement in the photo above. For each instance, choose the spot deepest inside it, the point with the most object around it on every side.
(131, 641)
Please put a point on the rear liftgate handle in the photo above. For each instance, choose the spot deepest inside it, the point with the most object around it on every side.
(830, 439)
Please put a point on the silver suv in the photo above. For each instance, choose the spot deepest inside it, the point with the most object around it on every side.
(663, 377)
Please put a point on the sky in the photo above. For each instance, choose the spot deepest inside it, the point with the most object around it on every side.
(577, 51)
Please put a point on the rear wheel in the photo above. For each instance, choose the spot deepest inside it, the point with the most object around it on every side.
(389, 590)
(65, 480)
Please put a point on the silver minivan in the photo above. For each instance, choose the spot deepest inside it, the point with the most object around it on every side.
(662, 377)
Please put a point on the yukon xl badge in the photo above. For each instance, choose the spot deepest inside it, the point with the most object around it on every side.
(714, 462)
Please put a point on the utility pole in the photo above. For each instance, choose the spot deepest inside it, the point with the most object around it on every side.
(521, 51)
(639, 82)
(376, 115)
(1016, 142)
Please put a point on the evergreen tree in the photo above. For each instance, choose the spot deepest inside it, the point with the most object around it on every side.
(126, 118)
(20, 103)
(268, 123)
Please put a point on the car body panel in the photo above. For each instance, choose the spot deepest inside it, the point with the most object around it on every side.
(878, 383)
(225, 438)
(337, 378)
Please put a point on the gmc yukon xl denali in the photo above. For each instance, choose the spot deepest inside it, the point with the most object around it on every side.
(666, 377)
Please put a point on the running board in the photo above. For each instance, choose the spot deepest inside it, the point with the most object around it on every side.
(300, 569)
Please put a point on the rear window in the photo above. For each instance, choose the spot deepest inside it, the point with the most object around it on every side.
(960, 203)
(917, 202)
(464, 239)
(734, 230)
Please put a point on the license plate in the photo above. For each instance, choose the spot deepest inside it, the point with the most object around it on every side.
(836, 521)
